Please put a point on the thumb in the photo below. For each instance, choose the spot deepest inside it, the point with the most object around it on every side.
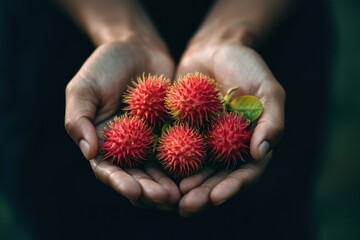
(270, 126)
(81, 104)
(189, 65)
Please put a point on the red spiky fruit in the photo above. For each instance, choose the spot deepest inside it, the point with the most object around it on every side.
(146, 99)
(194, 99)
(228, 140)
(181, 150)
(128, 141)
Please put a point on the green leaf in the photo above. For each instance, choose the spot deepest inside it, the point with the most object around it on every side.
(249, 106)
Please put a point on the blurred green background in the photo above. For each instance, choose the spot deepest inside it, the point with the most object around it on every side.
(337, 191)
(336, 195)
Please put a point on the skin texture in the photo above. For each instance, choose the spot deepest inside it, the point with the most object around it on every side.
(128, 45)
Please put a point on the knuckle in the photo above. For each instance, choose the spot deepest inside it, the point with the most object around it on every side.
(81, 83)
(96, 174)
(70, 88)
(277, 90)
(204, 188)
(111, 178)
(69, 125)
(236, 180)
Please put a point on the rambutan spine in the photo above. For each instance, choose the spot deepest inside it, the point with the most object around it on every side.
(127, 141)
(181, 150)
(146, 99)
(194, 99)
(228, 140)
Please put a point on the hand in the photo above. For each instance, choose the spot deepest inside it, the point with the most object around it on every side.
(148, 186)
(234, 65)
(95, 94)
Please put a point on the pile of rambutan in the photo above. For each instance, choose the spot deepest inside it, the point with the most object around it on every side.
(183, 125)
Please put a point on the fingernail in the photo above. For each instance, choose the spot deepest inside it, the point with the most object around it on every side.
(264, 148)
(84, 147)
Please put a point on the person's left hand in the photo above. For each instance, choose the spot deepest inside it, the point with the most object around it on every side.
(234, 65)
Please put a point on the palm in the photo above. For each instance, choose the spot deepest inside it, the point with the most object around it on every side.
(234, 66)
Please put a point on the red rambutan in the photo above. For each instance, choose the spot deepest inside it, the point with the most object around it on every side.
(228, 140)
(181, 150)
(146, 99)
(194, 99)
(128, 141)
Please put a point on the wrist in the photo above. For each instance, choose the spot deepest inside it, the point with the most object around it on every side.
(107, 21)
(246, 23)
(240, 33)
(233, 34)
(134, 24)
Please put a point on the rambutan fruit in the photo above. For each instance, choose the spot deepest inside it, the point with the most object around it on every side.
(228, 140)
(181, 150)
(128, 141)
(194, 99)
(146, 99)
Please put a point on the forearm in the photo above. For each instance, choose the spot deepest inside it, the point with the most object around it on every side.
(111, 20)
(247, 22)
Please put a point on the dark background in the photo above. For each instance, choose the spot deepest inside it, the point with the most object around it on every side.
(335, 195)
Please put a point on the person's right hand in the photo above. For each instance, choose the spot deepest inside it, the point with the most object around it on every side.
(95, 94)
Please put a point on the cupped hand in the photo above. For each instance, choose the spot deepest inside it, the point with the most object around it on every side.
(95, 94)
(144, 187)
(234, 65)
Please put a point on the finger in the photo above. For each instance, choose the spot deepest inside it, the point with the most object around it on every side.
(270, 126)
(190, 65)
(166, 68)
(161, 178)
(80, 111)
(238, 180)
(198, 198)
(151, 190)
(116, 178)
(189, 183)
